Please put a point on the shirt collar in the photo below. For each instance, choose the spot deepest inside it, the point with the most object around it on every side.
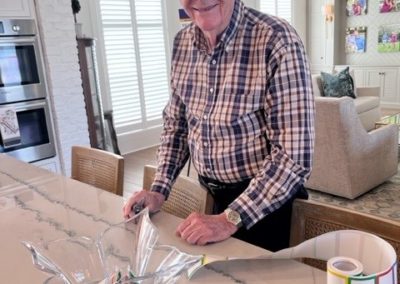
(225, 38)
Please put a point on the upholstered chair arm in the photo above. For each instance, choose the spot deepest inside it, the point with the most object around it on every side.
(376, 159)
(348, 160)
(383, 141)
(368, 91)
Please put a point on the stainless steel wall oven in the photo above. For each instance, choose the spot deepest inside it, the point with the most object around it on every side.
(21, 70)
(23, 89)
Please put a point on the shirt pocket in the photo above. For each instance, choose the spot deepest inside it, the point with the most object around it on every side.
(237, 101)
(241, 118)
(242, 130)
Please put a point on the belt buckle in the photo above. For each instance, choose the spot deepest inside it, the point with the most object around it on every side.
(212, 187)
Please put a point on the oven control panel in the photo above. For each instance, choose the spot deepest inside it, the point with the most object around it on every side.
(20, 27)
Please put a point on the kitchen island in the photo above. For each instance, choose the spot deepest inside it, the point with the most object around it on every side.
(37, 205)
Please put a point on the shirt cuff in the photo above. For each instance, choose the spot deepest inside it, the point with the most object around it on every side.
(161, 186)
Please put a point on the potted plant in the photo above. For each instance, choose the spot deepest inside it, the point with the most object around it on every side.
(76, 7)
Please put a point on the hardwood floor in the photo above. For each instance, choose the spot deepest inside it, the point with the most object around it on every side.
(134, 165)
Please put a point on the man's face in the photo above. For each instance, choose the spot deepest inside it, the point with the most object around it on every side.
(209, 15)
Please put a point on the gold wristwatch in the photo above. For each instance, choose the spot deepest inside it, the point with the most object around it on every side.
(233, 217)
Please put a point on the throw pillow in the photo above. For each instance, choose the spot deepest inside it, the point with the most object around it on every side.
(353, 76)
(338, 85)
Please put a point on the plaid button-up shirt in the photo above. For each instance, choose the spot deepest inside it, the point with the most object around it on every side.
(243, 111)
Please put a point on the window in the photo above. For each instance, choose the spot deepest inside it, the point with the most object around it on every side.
(280, 8)
(136, 62)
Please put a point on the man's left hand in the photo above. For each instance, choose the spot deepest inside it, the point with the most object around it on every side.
(201, 229)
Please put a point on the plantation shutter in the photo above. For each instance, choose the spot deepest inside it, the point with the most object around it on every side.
(280, 8)
(136, 61)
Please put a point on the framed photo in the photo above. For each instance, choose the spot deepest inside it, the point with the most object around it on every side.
(356, 7)
(184, 18)
(386, 6)
(356, 39)
(389, 38)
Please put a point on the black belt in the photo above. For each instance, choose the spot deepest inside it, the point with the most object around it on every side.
(216, 187)
(225, 193)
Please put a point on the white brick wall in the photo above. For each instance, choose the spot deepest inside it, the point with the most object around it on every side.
(57, 32)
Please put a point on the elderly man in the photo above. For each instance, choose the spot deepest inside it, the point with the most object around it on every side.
(242, 109)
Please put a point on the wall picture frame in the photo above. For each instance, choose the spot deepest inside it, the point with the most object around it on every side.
(389, 38)
(356, 40)
(356, 7)
(184, 18)
(387, 6)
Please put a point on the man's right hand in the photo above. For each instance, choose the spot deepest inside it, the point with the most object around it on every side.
(152, 200)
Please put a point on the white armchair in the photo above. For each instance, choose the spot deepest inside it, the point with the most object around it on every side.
(348, 160)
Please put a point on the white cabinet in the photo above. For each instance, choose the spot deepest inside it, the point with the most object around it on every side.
(16, 8)
(388, 81)
(358, 76)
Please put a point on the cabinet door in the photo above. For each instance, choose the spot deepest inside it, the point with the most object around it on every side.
(358, 76)
(16, 8)
(386, 79)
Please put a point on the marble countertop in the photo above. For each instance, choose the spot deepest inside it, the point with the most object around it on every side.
(37, 205)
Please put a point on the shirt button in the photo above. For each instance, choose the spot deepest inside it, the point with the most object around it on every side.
(208, 169)
(211, 90)
(214, 62)
(205, 144)
(205, 117)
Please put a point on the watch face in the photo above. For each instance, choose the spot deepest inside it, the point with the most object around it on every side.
(233, 217)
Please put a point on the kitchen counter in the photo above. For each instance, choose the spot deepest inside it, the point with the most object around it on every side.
(37, 205)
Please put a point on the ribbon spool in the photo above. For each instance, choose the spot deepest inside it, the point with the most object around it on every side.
(376, 257)
(341, 269)
(354, 257)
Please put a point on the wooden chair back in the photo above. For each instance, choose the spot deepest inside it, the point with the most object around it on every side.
(187, 195)
(311, 219)
(99, 168)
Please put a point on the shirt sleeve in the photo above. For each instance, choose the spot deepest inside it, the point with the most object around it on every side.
(289, 111)
(173, 151)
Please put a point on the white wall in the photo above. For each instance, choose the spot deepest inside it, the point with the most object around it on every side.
(57, 32)
(173, 25)
(299, 20)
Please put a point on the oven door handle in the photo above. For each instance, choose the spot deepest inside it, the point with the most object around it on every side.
(11, 143)
(16, 41)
